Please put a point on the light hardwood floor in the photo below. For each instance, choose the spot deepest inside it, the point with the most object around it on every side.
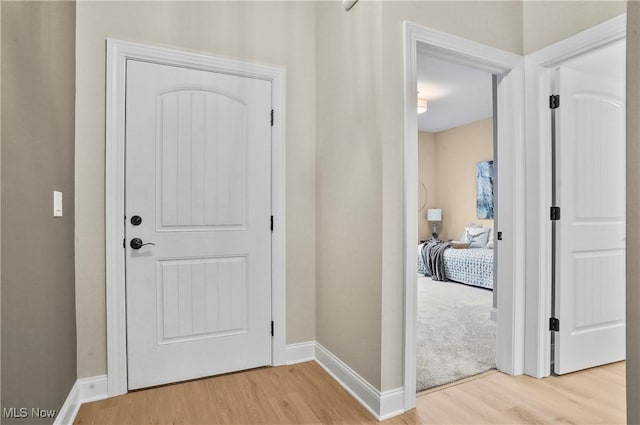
(305, 394)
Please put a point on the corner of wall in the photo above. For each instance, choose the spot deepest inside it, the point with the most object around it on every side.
(633, 210)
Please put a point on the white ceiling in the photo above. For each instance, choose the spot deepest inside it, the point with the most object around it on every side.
(456, 94)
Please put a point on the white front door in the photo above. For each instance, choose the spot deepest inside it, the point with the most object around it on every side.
(590, 267)
(198, 190)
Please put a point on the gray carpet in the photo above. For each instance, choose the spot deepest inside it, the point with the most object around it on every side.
(456, 337)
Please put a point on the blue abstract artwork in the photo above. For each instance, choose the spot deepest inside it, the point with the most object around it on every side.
(484, 179)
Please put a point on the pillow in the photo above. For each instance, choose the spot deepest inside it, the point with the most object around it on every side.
(477, 236)
(463, 238)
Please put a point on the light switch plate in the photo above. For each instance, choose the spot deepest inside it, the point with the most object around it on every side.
(57, 203)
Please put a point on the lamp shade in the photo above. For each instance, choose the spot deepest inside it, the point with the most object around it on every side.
(434, 214)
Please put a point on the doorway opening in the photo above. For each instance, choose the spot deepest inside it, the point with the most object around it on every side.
(509, 195)
(456, 290)
(522, 167)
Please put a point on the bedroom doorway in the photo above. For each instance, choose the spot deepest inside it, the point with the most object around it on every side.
(456, 290)
(509, 196)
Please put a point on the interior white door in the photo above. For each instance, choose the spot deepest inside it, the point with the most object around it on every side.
(198, 176)
(590, 266)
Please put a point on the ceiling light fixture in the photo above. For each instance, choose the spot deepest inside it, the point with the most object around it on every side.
(422, 105)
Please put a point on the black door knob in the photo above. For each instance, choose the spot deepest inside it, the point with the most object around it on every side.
(136, 243)
(136, 220)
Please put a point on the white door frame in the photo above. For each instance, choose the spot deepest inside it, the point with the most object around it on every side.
(538, 67)
(511, 270)
(117, 54)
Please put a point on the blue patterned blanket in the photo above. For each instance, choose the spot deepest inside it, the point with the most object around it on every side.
(469, 266)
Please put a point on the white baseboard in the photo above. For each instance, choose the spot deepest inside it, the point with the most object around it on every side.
(93, 388)
(84, 390)
(69, 409)
(391, 403)
(300, 352)
(381, 405)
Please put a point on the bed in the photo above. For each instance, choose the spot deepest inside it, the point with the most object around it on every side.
(469, 266)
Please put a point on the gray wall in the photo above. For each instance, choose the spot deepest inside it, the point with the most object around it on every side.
(547, 22)
(633, 212)
(37, 136)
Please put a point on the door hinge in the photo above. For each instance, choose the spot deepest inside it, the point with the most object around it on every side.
(554, 213)
(554, 101)
(272, 223)
(499, 236)
(272, 118)
(272, 328)
(554, 324)
(124, 245)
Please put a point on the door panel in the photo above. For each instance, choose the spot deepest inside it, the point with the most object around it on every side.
(203, 172)
(198, 172)
(201, 298)
(590, 294)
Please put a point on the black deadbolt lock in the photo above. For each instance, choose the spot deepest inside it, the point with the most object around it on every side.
(136, 220)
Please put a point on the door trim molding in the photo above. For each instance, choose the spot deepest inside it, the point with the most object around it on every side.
(118, 52)
(538, 66)
(510, 68)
